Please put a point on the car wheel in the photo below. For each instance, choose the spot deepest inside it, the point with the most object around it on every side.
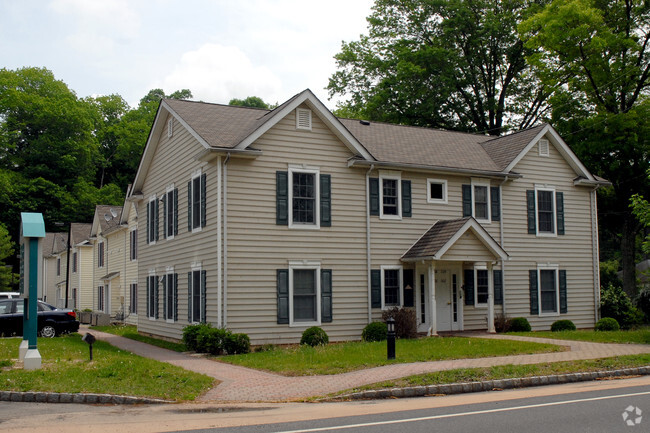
(48, 331)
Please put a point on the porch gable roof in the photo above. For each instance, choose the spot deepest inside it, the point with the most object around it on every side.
(443, 235)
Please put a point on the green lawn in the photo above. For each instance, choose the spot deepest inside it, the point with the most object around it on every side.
(638, 336)
(130, 331)
(66, 368)
(340, 358)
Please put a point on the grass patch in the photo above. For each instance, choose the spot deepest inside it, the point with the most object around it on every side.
(636, 336)
(131, 332)
(509, 372)
(66, 368)
(344, 357)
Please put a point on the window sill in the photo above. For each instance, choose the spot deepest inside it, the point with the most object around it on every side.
(390, 217)
(546, 235)
(303, 324)
(298, 226)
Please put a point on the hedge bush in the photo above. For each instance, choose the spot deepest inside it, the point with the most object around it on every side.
(519, 324)
(314, 336)
(191, 334)
(203, 338)
(405, 321)
(615, 303)
(607, 324)
(563, 325)
(501, 323)
(237, 344)
(375, 331)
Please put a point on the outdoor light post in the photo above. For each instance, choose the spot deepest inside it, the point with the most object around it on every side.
(390, 338)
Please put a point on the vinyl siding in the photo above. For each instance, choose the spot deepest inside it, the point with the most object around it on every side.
(84, 277)
(130, 267)
(257, 247)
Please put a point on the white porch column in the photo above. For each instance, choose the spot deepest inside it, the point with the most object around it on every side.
(433, 329)
(490, 317)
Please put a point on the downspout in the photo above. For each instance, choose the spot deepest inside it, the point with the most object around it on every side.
(368, 256)
(595, 252)
(225, 240)
(220, 245)
(502, 240)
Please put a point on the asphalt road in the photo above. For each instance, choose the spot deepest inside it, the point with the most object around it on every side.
(578, 407)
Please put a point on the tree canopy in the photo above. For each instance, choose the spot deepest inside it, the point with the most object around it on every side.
(453, 64)
(251, 101)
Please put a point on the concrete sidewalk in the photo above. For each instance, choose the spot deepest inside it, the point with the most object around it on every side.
(248, 385)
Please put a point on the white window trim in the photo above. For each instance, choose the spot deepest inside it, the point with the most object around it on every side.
(196, 267)
(486, 184)
(190, 201)
(554, 203)
(303, 264)
(442, 200)
(383, 285)
(543, 147)
(394, 176)
(170, 189)
(169, 270)
(478, 304)
(152, 273)
(299, 113)
(556, 269)
(310, 170)
(152, 221)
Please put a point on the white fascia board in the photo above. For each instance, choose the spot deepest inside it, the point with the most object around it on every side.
(480, 233)
(326, 116)
(560, 145)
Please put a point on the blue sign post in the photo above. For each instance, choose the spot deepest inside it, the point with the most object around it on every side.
(32, 231)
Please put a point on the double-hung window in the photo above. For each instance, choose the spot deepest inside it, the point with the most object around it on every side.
(152, 220)
(152, 295)
(133, 242)
(100, 255)
(170, 289)
(58, 266)
(74, 262)
(304, 197)
(391, 278)
(548, 290)
(170, 215)
(390, 197)
(304, 294)
(196, 202)
(100, 298)
(133, 296)
(482, 201)
(196, 281)
(545, 208)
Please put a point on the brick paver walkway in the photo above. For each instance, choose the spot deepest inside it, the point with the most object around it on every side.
(244, 384)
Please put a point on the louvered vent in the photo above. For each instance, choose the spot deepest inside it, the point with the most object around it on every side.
(303, 119)
(170, 127)
(543, 147)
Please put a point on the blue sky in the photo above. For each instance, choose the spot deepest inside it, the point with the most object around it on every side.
(218, 49)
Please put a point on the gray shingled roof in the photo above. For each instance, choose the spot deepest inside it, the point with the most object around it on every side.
(435, 238)
(79, 232)
(225, 126)
(109, 217)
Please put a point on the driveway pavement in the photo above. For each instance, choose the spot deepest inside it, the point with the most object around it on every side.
(247, 385)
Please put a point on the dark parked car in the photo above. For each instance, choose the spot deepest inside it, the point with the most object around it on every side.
(51, 321)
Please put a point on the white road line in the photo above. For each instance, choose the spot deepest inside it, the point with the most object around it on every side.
(452, 415)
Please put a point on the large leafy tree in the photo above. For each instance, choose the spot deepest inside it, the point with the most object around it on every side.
(456, 64)
(7, 277)
(251, 101)
(599, 52)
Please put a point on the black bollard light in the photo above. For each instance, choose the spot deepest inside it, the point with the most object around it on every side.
(90, 339)
(390, 338)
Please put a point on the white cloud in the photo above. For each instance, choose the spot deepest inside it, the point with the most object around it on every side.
(217, 73)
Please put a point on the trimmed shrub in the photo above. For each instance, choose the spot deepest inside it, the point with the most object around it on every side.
(615, 303)
(607, 324)
(405, 321)
(375, 331)
(519, 324)
(501, 323)
(314, 336)
(563, 325)
(191, 334)
(212, 340)
(237, 344)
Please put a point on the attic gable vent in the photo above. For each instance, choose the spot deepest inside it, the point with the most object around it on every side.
(170, 128)
(303, 119)
(543, 147)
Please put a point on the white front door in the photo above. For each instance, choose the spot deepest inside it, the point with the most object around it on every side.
(443, 300)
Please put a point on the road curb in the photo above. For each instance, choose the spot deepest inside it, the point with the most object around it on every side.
(80, 398)
(490, 385)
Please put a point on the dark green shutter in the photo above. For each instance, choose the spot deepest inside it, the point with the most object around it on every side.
(325, 200)
(467, 203)
(374, 195)
(495, 199)
(165, 310)
(406, 198)
(326, 295)
(375, 288)
(175, 211)
(148, 210)
(189, 297)
(282, 277)
(534, 296)
(175, 297)
(156, 220)
(559, 208)
(563, 294)
(409, 294)
(468, 280)
(156, 294)
(204, 308)
(189, 206)
(497, 276)
(530, 208)
(149, 306)
(203, 199)
(165, 204)
(282, 198)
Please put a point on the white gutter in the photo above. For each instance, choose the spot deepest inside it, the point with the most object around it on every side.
(368, 256)
(219, 244)
(502, 240)
(225, 241)
(433, 169)
(595, 252)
